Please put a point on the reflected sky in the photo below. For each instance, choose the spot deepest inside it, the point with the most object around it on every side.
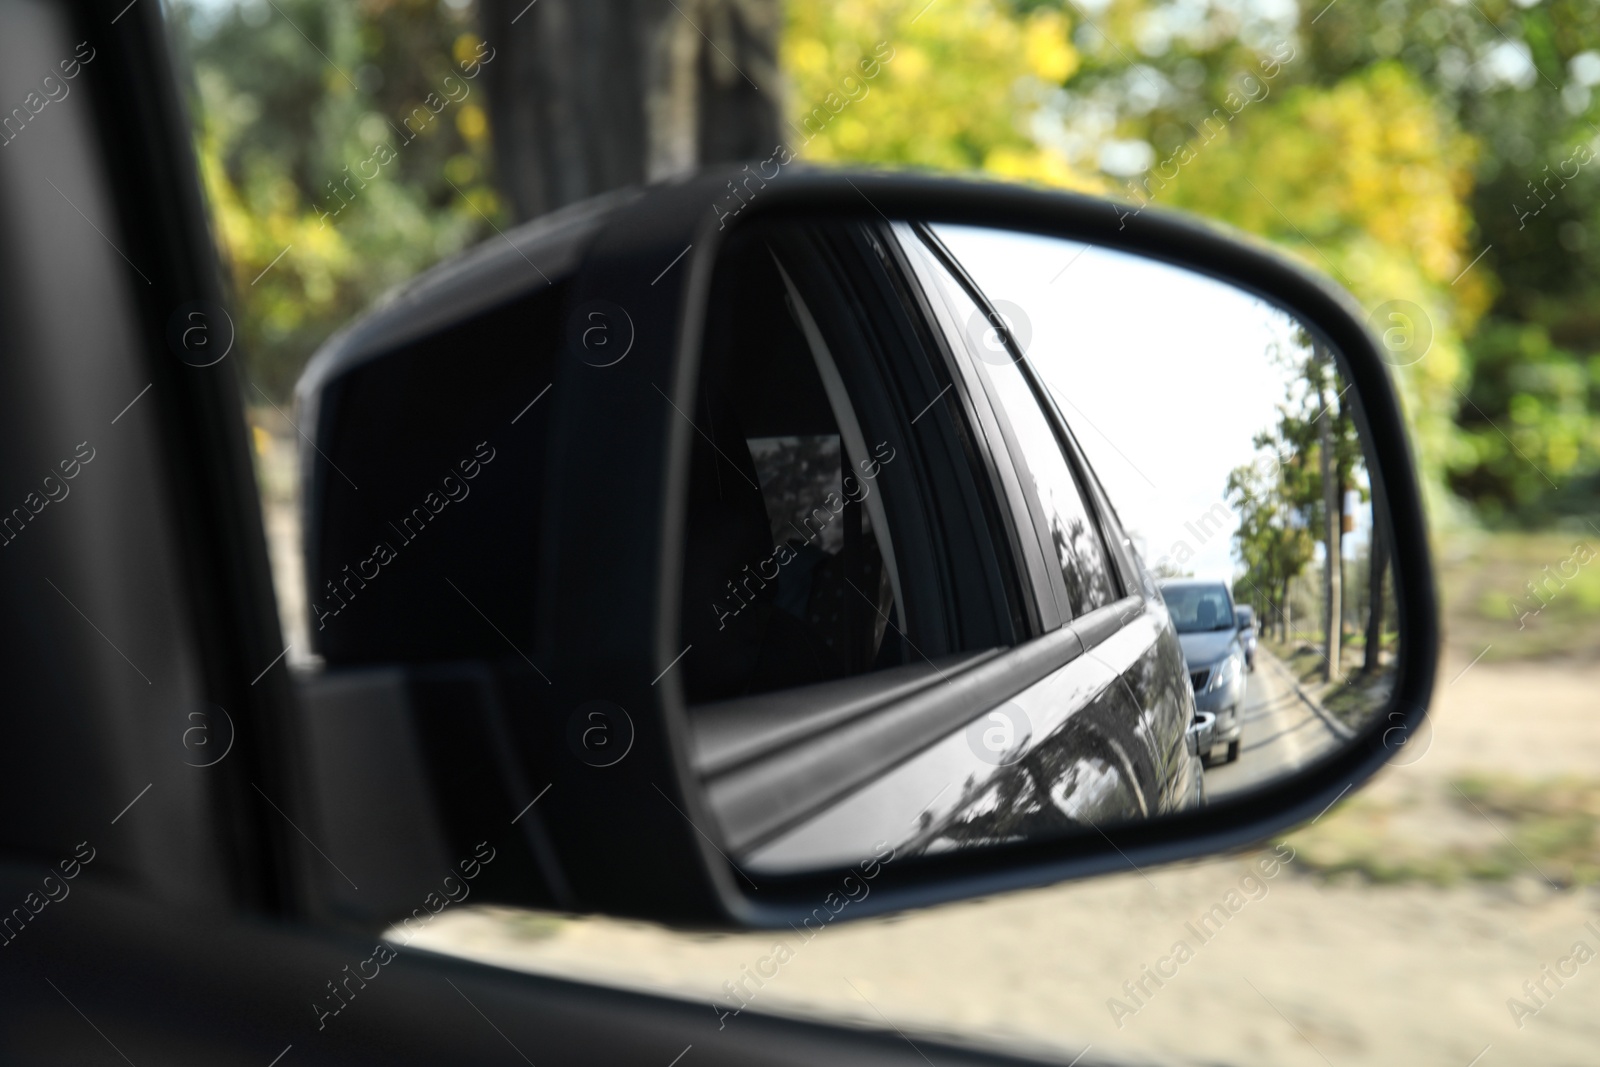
(1164, 375)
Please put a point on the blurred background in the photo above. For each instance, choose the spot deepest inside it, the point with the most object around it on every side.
(1436, 158)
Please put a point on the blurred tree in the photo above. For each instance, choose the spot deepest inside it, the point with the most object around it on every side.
(1531, 441)
(1316, 421)
(955, 85)
(1377, 573)
(1271, 540)
(1332, 521)
(594, 95)
(343, 148)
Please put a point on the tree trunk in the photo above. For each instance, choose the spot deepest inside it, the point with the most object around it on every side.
(1338, 533)
(1333, 522)
(1377, 568)
(587, 96)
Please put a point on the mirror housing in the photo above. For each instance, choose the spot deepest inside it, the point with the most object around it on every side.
(552, 662)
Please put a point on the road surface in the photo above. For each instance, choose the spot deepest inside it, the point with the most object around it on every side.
(1281, 733)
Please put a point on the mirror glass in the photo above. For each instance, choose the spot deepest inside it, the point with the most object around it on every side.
(994, 536)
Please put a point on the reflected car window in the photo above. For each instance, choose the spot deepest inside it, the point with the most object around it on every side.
(1195, 610)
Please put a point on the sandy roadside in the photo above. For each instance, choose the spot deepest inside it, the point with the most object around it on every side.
(1305, 972)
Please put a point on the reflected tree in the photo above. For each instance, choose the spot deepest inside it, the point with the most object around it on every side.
(1271, 540)
(1316, 440)
(1296, 496)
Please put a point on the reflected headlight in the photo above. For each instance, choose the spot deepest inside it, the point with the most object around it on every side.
(1223, 674)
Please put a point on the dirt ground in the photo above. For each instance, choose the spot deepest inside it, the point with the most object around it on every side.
(1309, 970)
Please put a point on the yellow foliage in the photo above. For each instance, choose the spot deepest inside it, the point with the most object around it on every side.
(1371, 156)
(465, 47)
(948, 86)
(1041, 168)
(1050, 54)
(1366, 181)
(473, 123)
(253, 235)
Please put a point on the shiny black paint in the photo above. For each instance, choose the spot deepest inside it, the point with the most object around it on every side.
(1132, 732)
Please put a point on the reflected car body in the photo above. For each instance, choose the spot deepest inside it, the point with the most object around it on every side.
(1213, 650)
(1244, 618)
(1102, 765)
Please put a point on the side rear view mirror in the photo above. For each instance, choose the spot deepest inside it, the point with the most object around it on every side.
(737, 543)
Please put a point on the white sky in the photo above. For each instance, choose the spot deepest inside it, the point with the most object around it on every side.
(1164, 375)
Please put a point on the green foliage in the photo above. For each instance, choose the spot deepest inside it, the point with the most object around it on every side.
(1365, 181)
(1530, 442)
(1519, 81)
(292, 102)
(959, 84)
(1273, 544)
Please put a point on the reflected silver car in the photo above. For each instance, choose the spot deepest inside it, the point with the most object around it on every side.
(1214, 652)
(1244, 616)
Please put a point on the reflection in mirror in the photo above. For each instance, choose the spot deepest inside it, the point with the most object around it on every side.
(993, 537)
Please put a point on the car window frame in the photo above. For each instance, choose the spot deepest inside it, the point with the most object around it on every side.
(1097, 504)
(732, 733)
(916, 510)
(1119, 546)
(1006, 475)
(1041, 555)
(988, 466)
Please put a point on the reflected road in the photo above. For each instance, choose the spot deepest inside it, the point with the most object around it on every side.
(1280, 732)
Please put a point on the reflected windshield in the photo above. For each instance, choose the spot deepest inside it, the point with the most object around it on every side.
(1197, 608)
